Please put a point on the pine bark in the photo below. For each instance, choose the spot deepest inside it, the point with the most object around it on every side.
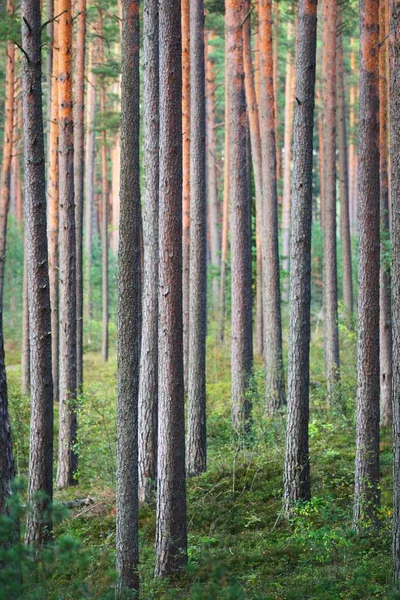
(53, 211)
(297, 465)
(129, 309)
(241, 349)
(40, 480)
(394, 58)
(185, 8)
(148, 390)
(211, 178)
(67, 457)
(329, 142)
(274, 381)
(385, 307)
(196, 455)
(25, 351)
(275, 57)
(343, 177)
(171, 532)
(366, 493)
(79, 161)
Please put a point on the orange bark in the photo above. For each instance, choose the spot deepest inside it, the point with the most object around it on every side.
(275, 36)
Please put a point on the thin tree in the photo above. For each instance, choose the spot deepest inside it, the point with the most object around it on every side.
(148, 387)
(297, 465)
(185, 7)
(366, 493)
(394, 58)
(197, 440)
(129, 308)
(242, 347)
(25, 350)
(274, 380)
(79, 159)
(385, 308)
(329, 199)
(7, 150)
(67, 456)
(53, 210)
(7, 471)
(171, 532)
(343, 175)
(40, 480)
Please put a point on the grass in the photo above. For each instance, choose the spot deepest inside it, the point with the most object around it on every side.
(240, 546)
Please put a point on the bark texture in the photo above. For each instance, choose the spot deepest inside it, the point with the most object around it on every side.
(366, 493)
(297, 465)
(185, 18)
(242, 350)
(129, 310)
(394, 58)
(171, 533)
(274, 380)
(67, 457)
(148, 390)
(196, 457)
(329, 200)
(40, 481)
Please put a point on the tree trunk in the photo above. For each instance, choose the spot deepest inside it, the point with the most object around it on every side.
(115, 185)
(275, 57)
(320, 157)
(196, 457)
(343, 177)
(289, 105)
(148, 390)
(212, 190)
(104, 200)
(329, 141)
(89, 177)
(366, 493)
(385, 307)
(394, 57)
(225, 216)
(7, 152)
(25, 350)
(67, 457)
(79, 159)
(241, 309)
(297, 465)
(352, 169)
(40, 480)
(171, 533)
(53, 212)
(274, 381)
(129, 309)
(185, 8)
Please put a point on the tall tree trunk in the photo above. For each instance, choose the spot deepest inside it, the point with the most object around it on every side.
(274, 381)
(40, 480)
(67, 457)
(129, 309)
(394, 57)
(275, 57)
(225, 216)
(287, 163)
(196, 458)
(25, 350)
(171, 532)
(79, 160)
(185, 8)
(343, 176)
(242, 350)
(321, 157)
(53, 212)
(385, 307)
(7, 152)
(7, 471)
(329, 141)
(115, 157)
(352, 151)
(212, 190)
(50, 14)
(297, 465)
(104, 200)
(148, 390)
(254, 123)
(366, 493)
(89, 177)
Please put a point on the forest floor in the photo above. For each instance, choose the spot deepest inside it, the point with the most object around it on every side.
(240, 546)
